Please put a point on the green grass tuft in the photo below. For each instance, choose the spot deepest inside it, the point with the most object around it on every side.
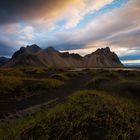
(9, 84)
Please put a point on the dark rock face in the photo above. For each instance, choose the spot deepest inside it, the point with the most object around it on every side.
(35, 56)
(33, 48)
(28, 50)
(19, 52)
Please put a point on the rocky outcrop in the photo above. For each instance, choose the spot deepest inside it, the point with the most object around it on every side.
(35, 56)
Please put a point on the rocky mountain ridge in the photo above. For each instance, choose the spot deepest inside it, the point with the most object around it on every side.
(35, 56)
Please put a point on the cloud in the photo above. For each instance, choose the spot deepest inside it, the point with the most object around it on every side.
(28, 9)
(27, 33)
(22, 21)
(15, 35)
(75, 14)
(119, 28)
(82, 51)
(130, 62)
(5, 50)
(48, 11)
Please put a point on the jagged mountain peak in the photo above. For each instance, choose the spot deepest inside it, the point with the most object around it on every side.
(50, 49)
(33, 48)
(33, 55)
(26, 50)
(19, 52)
(103, 50)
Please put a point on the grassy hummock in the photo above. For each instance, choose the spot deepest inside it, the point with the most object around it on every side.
(86, 114)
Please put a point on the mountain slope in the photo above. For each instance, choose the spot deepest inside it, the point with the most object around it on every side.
(35, 56)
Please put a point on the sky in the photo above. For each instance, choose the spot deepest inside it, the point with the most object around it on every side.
(79, 26)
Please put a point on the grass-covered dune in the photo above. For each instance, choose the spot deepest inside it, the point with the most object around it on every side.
(85, 115)
(17, 85)
(125, 83)
(17, 81)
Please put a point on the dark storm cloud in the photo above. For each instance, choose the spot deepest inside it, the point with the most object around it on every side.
(14, 10)
(17, 10)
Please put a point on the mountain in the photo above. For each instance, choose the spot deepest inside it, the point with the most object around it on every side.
(3, 60)
(25, 56)
(35, 56)
(102, 58)
(25, 51)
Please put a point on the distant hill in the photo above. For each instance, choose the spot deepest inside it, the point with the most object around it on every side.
(3, 60)
(35, 56)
